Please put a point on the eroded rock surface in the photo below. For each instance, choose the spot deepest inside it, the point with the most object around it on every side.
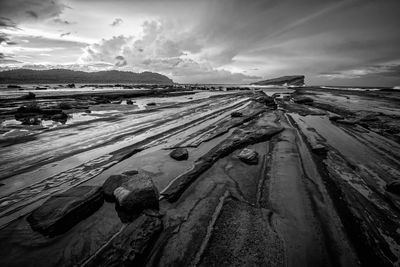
(129, 247)
(61, 212)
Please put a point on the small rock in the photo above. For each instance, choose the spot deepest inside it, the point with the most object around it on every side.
(335, 117)
(129, 102)
(179, 154)
(61, 212)
(249, 156)
(393, 187)
(236, 114)
(137, 193)
(88, 111)
(151, 104)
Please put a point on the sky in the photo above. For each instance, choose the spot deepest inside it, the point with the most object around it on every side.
(331, 42)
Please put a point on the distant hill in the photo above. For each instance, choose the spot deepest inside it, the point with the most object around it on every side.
(70, 76)
(296, 80)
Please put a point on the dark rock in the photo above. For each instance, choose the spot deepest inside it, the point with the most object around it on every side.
(65, 105)
(303, 100)
(393, 187)
(115, 181)
(87, 111)
(179, 154)
(40, 88)
(319, 150)
(131, 246)
(29, 96)
(61, 212)
(12, 86)
(30, 108)
(151, 104)
(51, 111)
(335, 117)
(137, 193)
(61, 117)
(236, 114)
(248, 156)
(347, 121)
(71, 85)
(129, 102)
(33, 120)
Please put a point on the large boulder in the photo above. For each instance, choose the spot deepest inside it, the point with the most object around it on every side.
(179, 154)
(61, 212)
(115, 181)
(248, 156)
(136, 194)
(393, 187)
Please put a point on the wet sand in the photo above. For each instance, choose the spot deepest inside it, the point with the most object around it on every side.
(317, 196)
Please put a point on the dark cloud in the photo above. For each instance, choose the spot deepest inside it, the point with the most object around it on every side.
(121, 61)
(4, 59)
(18, 11)
(7, 23)
(65, 34)
(32, 14)
(116, 22)
(62, 21)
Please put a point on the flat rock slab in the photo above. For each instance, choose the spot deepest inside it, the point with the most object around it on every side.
(61, 212)
(131, 245)
(179, 154)
(248, 156)
(137, 193)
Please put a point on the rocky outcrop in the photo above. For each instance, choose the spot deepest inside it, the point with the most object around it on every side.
(131, 245)
(32, 114)
(61, 212)
(179, 154)
(248, 134)
(295, 80)
(248, 156)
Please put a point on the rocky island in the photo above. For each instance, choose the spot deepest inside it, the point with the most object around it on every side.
(293, 80)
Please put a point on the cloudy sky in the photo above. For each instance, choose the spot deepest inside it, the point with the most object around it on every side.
(347, 42)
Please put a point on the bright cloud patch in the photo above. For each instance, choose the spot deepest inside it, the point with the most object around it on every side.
(162, 49)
